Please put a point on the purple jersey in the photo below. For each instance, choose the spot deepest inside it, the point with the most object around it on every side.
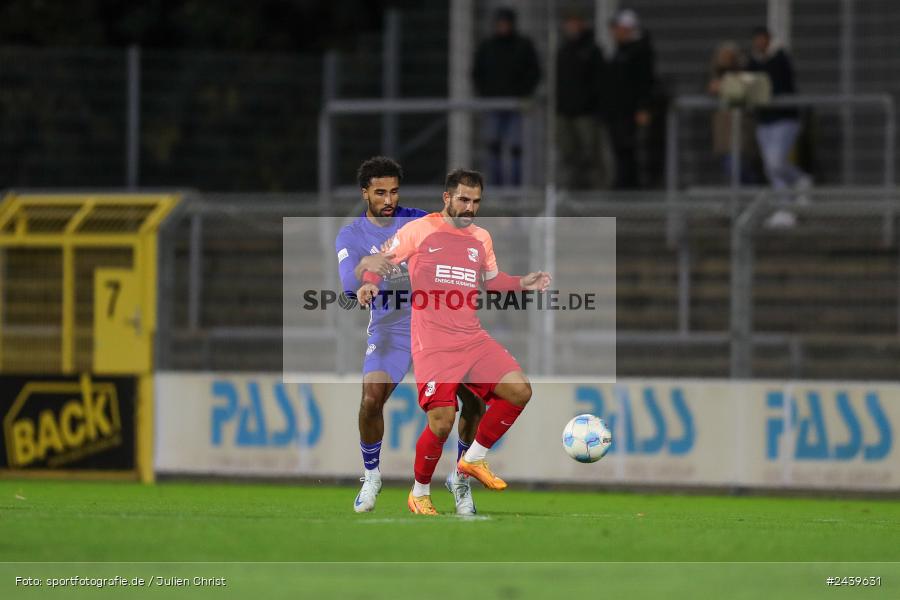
(361, 238)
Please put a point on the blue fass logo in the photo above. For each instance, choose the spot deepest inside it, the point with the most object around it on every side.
(813, 440)
(673, 437)
(256, 428)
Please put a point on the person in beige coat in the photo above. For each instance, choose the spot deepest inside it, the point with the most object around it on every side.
(728, 58)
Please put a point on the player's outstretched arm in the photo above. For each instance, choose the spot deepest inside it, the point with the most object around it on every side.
(539, 280)
(399, 248)
(501, 282)
(380, 263)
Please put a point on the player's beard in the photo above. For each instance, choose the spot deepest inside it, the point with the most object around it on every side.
(380, 215)
(461, 219)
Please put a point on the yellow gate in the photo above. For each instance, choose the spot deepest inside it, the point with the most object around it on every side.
(78, 287)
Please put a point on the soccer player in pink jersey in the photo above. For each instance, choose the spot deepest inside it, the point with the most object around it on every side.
(449, 257)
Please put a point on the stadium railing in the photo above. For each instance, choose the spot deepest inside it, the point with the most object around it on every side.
(759, 303)
(705, 103)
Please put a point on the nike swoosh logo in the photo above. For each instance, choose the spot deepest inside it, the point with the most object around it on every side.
(431, 250)
(502, 422)
(356, 502)
(431, 458)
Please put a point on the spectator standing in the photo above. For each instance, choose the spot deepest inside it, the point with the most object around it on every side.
(777, 128)
(582, 136)
(728, 58)
(631, 79)
(506, 64)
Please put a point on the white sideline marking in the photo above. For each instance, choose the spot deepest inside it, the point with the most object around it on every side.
(828, 520)
(455, 519)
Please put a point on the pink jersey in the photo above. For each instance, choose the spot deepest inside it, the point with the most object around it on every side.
(446, 267)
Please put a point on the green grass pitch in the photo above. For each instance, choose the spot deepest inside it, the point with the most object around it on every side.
(290, 541)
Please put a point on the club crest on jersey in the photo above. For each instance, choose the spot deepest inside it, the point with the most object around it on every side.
(430, 388)
(473, 254)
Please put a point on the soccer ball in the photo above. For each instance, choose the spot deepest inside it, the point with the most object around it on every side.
(586, 438)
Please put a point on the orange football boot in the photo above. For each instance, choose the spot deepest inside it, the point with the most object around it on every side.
(420, 505)
(480, 470)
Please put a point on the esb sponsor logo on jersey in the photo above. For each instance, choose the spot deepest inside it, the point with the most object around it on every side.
(455, 275)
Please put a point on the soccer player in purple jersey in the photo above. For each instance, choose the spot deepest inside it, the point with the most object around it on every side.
(388, 355)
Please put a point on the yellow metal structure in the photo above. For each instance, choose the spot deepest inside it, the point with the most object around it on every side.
(79, 290)
(122, 343)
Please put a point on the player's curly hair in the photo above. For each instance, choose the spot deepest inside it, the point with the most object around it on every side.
(378, 166)
(463, 176)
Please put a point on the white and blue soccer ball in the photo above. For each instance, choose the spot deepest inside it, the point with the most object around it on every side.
(586, 438)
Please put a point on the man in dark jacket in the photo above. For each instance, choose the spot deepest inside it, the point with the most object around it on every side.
(506, 64)
(777, 128)
(631, 79)
(583, 149)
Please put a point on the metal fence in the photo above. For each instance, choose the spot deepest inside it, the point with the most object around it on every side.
(878, 106)
(231, 122)
(122, 118)
(726, 297)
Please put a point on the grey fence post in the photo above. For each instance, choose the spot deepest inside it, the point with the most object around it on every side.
(133, 117)
(673, 219)
(847, 89)
(549, 324)
(459, 83)
(195, 265)
(684, 286)
(328, 230)
(736, 143)
(741, 302)
(390, 78)
(326, 152)
(742, 291)
(536, 249)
